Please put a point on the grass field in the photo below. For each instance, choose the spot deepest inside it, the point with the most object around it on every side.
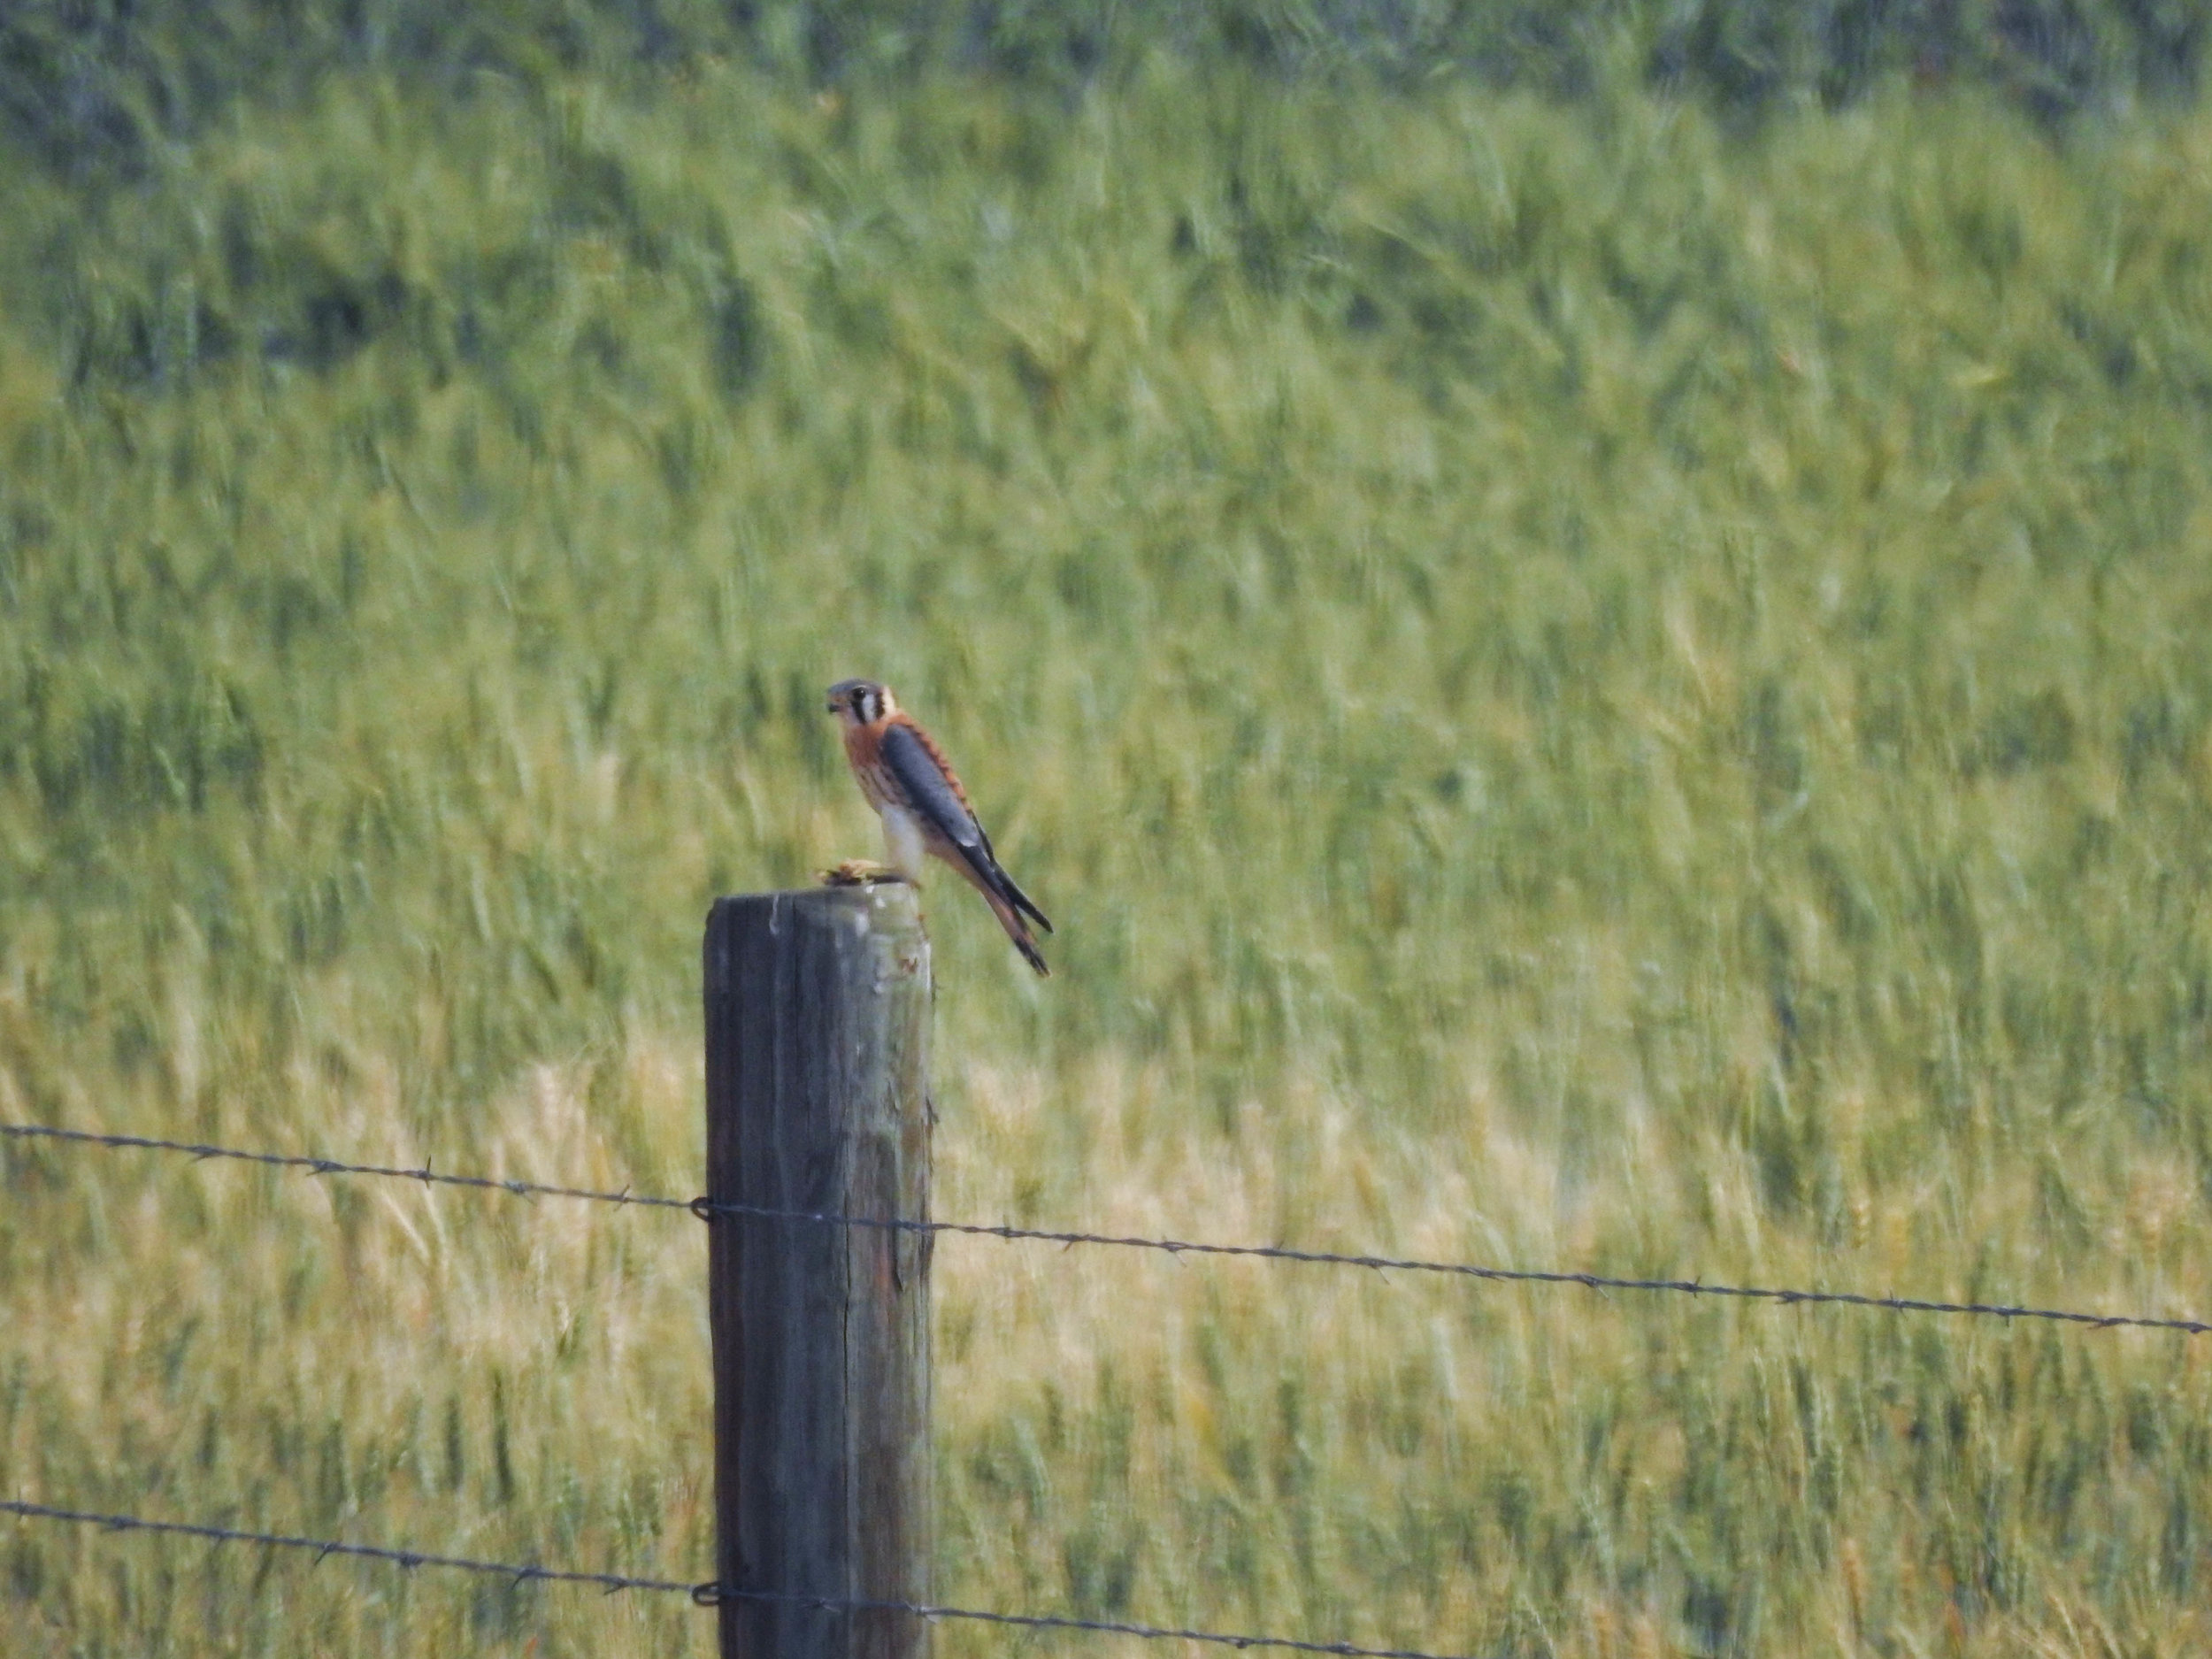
(1585, 693)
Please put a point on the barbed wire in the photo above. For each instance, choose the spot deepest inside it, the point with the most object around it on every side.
(610, 1582)
(331, 1166)
(706, 1209)
(708, 1594)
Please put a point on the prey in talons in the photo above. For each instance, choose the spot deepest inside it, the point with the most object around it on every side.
(862, 872)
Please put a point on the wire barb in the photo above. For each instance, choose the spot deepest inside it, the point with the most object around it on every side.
(708, 1208)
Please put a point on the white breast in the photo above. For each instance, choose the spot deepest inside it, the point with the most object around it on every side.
(903, 841)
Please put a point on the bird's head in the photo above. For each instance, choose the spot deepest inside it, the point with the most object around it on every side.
(860, 702)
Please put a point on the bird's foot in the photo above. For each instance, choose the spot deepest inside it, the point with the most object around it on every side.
(860, 873)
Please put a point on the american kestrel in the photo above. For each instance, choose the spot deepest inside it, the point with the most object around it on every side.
(925, 810)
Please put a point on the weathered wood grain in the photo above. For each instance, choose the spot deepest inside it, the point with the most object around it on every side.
(817, 1051)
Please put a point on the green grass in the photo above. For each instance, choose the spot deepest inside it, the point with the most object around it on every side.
(1584, 693)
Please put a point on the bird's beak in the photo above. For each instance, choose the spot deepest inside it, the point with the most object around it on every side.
(833, 705)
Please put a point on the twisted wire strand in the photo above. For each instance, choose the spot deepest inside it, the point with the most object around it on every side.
(707, 1209)
(331, 1166)
(708, 1594)
(610, 1582)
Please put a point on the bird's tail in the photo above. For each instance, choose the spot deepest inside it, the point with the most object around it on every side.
(1019, 899)
(1018, 930)
(993, 882)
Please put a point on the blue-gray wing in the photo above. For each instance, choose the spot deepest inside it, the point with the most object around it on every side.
(923, 780)
(925, 785)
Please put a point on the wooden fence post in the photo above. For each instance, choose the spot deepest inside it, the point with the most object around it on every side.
(818, 1067)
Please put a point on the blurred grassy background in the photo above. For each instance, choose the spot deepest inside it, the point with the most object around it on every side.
(1593, 629)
